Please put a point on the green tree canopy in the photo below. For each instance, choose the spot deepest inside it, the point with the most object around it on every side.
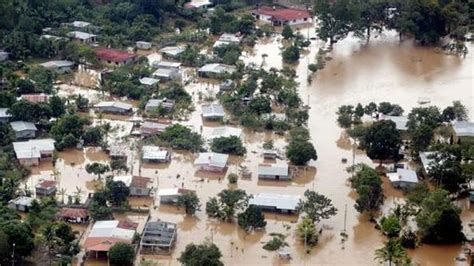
(202, 254)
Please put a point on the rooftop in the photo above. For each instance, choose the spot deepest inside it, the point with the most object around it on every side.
(140, 182)
(81, 35)
(158, 233)
(46, 184)
(212, 110)
(282, 13)
(166, 64)
(273, 169)
(154, 125)
(149, 81)
(212, 159)
(165, 73)
(126, 179)
(279, 201)
(18, 126)
(217, 68)
(57, 64)
(172, 50)
(74, 213)
(25, 201)
(35, 97)
(4, 113)
(154, 153)
(154, 103)
(119, 105)
(32, 148)
(400, 121)
(80, 24)
(225, 132)
(113, 55)
(173, 191)
(425, 160)
(464, 128)
(403, 175)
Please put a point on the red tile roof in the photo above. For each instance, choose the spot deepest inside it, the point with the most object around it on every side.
(279, 13)
(74, 213)
(127, 225)
(140, 182)
(46, 184)
(113, 55)
(102, 243)
(35, 98)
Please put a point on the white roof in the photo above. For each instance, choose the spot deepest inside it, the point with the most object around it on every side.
(217, 68)
(32, 148)
(403, 175)
(4, 113)
(273, 169)
(149, 124)
(168, 192)
(143, 43)
(400, 121)
(198, 4)
(80, 24)
(57, 64)
(25, 201)
(279, 201)
(228, 38)
(464, 128)
(120, 105)
(166, 64)
(425, 160)
(149, 81)
(153, 153)
(212, 159)
(225, 132)
(110, 229)
(172, 50)
(165, 73)
(154, 103)
(81, 35)
(18, 126)
(126, 179)
(212, 110)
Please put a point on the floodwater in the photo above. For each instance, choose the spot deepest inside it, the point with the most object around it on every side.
(383, 70)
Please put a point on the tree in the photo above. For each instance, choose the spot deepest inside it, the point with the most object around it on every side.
(277, 242)
(97, 169)
(335, 19)
(439, 221)
(421, 138)
(229, 145)
(117, 192)
(251, 218)
(446, 168)
(359, 111)
(417, 193)
(382, 141)
(198, 255)
(119, 166)
(260, 105)
(291, 54)
(93, 136)
(390, 225)
(230, 201)
(181, 137)
(287, 32)
(20, 234)
(460, 111)
(316, 206)
(368, 185)
(370, 109)
(306, 231)
(429, 116)
(121, 254)
(392, 252)
(233, 178)
(387, 108)
(344, 116)
(190, 202)
(57, 106)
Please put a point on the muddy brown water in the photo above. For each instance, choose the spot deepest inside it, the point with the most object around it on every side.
(383, 70)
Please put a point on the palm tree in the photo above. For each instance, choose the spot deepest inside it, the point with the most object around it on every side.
(77, 197)
(62, 192)
(392, 252)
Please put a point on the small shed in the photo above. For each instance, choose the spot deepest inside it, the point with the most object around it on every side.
(22, 203)
(273, 171)
(403, 178)
(270, 154)
(153, 154)
(143, 45)
(24, 130)
(211, 161)
(74, 215)
(227, 85)
(213, 112)
(46, 188)
(276, 202)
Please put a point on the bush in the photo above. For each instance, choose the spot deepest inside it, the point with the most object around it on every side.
(232, 178)
(121, 254)
(230, 145)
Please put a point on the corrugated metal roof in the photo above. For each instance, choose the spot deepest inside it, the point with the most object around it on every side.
(4, 113)
(464, 128)
(18, 126)
(212, 110)
(279, 201)
(217, 68)
(403, 175)
(212, 159)
(225, 132)
(32, 148)
(154, 153)
(119, 105)
(273, 169)
(400, 121)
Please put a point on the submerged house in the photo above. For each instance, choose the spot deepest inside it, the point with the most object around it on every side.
(213, 112)
(273, 171)
(167, 64)
(400, 121)
(153, 154)
(215, 70)
(166, 74)
(170, 195)
(104, 234)
(46, 188)
(59, 66)
(118, 152)
(276, 202)
(426, 161)
(138, 185)
(228, 38)
(403, 178)
(114, 56)
(158, 236)
(23, 130)
(154, 104)
(149, 128)
(211, 161)
(279, 16)
(114, 107)
(225, 132)
(149, 82)
(270, 154)
(22, 203)
(31, 152)
(74, 215)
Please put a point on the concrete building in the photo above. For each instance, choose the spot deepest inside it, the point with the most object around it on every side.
(403, 178)
(167, 74)
(31, 152)
(213, 112)
(279, 16)
(226, 132)
(118, 151)
(170, 195)
(211, 161)
(22, 203)
(273, 171)
(158, 236)
(153, 154)
(166, 64)
(172, 52)
(215, 70)
(153, 104)
(149, 128)
(114, 107)
(46, 188)
(199, 4)
(74, 215)
(82, 37)
(138, 185)
(59, 66)
(114, 56)
(80, 24)
(276, 202)
(104, 234)
(143, 45)
(4, 115)
(24, 130)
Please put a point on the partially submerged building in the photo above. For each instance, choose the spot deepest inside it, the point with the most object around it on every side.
(21, 203)
(215, 70)
(46, 187)
(114, 56)
(35, 97)
(228, 38)
(211, 161)
(403, 178)
(138, 185)
(32, 151)
(153, 154)
(74, 215)
(167, 64)
(226, 132)
(463, 131)
(59, 66)
(426, 161)
(104, 234)
(270, 154)
(114, 107)
(150, 128)
(400, 121)
(213, 112)
(167, 74)
(23, 130)
(276, 202)
(158, 236)
(273, 171)
(170, 195)
(118, 151)
(154, 104)
(149, 82)
(279, 16)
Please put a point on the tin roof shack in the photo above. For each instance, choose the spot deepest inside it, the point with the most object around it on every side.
(4, 115)
(166, 74)
(225, 132)
(215, 70)
(228, 38)
(463, 131)
(114, 107)
(114, 56)
(35, 97)
(273, 171)
(118, 152)
(213, 112)
(59, 66)
(74, 215)
(152, 128)
(403, 178)
(46, 188)
(82, 37)
(400, 121)
(172, 52)
(276, 202)
(153, 154)
(158, 236)
(104, 234)
(143, 45)
(227, 85)
(278, 16)
(149, 82)
(154, 104)
(22, 203)
(138, 185)
(170, 195)
(32, 151)
(211, 161)
(23, 130)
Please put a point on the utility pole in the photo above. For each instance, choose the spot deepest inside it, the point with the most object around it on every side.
(13, 255)
(345, 217)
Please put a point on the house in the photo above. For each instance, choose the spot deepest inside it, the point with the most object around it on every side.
(153, 154)
(279, 16)
(276, 202)
(198, 4)
(3, 55)
(22, 203)
(104, 234)
(228, 38)
(213, 112)
(52, 37)
(153, 104)
(4, 115)
(167, 74)
(114, 56)
(225, 132)
(82, 37)
(46, 188)
(211, 161)
(118, 152)
(35, 97)
(114, 107)
(273, 171)
(403, 178)
(32, 151)
(400, 121)
(143, 45)
(463, 130)
(140, 186)
(23, 130)
(426, 161)
(74, 215)
(80, 24)
(227, 85)
(167, 64)
(149, 82)
(158, 236)
(170, 195)
(149, 128)
(270, 154)
(172, 52)
(215, 69)
(59, 66)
